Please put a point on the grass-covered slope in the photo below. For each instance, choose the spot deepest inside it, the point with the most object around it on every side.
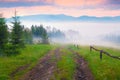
(27, 59)
(106, 69)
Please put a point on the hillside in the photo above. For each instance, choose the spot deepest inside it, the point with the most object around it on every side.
(62, 17)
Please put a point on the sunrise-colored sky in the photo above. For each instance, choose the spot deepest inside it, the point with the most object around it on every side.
(76, 8)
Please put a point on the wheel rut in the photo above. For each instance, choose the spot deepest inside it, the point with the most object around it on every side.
(45, 68)
(82, 70)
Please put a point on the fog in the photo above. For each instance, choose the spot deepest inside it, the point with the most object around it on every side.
(84, 33)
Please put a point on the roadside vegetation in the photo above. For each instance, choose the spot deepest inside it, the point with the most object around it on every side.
(106, 69)
(28, 57)
(21, 47)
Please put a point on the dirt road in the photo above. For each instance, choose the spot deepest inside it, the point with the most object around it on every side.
(46, 67)
(82, 70)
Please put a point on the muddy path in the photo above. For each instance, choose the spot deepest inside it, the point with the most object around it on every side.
(46, 67)
(82, 70)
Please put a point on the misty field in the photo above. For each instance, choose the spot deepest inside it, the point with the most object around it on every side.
(106, 69)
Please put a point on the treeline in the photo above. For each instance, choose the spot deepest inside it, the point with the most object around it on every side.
(11, 41)
(56, 33)
(41, 33)
(113, 38)
(35, 35)
(15, 39)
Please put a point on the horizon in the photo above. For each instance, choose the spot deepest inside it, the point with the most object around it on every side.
(64, 15)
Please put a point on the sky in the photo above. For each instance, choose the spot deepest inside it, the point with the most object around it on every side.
(75, 8)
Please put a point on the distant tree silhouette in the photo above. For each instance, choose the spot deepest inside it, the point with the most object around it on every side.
(56, 33)
(28, 39)
(40, 32)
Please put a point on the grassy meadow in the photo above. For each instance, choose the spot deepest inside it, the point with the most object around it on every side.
(106, 69)
(29, 56)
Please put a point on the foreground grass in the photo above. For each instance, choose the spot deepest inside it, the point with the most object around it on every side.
(106, 69)
(29, 56)
(66, 66)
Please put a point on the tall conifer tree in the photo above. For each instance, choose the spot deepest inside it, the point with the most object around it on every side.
(17, 32)
(3, 34)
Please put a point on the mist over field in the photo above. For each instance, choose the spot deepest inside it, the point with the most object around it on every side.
(85, 33)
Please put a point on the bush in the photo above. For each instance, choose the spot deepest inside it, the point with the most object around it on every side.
(12, 50)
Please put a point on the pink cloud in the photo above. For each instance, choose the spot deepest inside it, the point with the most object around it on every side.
(95, 2)
(22, 11)
(64, 3)
(78, 3)
(70, 3)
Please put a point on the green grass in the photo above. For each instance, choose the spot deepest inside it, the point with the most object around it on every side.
(66, 66)
(106, 69)
(30, 55)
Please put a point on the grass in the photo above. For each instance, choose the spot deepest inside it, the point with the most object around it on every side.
(66, 66)
(30, 55)
(106, 69)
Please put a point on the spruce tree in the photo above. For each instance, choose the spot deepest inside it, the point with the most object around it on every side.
(3, 35)
(17, 33)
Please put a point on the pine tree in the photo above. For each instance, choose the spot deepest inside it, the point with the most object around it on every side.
(3, 34)
(17, 33)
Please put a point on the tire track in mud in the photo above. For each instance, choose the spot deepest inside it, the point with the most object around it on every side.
(82, 70)
(46, 67)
